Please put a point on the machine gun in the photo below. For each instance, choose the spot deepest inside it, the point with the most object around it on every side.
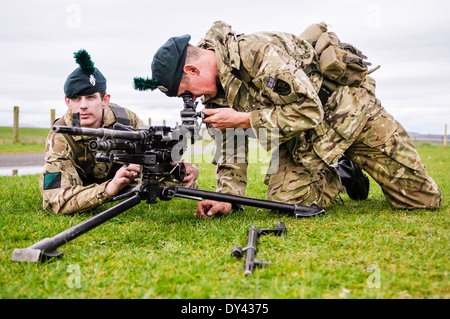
(155, 148)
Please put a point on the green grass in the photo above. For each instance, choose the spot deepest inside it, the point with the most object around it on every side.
(162, 251)
(30, 140)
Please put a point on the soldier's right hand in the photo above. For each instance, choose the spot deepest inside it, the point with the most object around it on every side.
(124, 176)
(209, 208)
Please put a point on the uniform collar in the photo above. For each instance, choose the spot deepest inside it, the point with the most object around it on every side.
(223, 40)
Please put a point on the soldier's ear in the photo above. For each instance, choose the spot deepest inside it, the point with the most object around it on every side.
(106, 99)
(191, 69)
(67, 101)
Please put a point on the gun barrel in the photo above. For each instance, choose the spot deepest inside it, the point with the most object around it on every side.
(99, 132)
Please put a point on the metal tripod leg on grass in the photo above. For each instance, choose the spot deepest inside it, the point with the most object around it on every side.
(47, 248)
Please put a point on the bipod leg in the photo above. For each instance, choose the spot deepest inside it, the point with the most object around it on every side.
(295, 210)
(47, 248)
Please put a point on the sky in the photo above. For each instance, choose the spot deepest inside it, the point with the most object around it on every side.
(408, 39)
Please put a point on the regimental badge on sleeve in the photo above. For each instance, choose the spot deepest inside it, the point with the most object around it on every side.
(52, 180)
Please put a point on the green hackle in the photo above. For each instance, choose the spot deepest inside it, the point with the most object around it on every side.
(84, 60)
(142, 84)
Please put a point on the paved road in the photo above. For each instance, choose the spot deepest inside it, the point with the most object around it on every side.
(22, 159)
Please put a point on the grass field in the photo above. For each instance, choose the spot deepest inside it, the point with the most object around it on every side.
(357, 250)
(30, 140)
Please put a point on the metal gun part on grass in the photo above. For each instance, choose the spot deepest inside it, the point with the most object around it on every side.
(250, 250)
(155, 148)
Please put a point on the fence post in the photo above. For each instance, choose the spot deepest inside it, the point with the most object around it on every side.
(164, 122)
(52, 116)
(445, 136)
(149, 121)
(16, 125)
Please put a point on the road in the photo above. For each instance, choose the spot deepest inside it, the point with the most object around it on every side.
(22, 159)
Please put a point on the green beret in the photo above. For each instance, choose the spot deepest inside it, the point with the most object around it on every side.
(167, 67)
(84, 80)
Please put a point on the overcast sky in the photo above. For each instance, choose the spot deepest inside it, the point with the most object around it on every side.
(409, 39)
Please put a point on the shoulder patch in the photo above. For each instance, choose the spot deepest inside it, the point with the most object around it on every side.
(52, 180)
(282, 87)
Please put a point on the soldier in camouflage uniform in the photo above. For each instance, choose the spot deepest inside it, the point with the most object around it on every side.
(73, 181)
(263, 81)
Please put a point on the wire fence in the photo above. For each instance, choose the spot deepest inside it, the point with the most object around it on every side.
(36, 119)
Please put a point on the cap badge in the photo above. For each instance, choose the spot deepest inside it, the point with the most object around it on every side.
(92, 80)
(163, 88)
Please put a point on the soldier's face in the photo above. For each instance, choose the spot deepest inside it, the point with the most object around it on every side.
(90, 108)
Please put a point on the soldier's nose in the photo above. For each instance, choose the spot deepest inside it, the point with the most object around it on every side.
(83, 103)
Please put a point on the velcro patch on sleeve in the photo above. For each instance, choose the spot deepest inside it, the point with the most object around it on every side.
(282, 87)
(52, 180)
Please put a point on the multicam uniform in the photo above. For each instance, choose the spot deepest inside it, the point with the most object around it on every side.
(264, 74)
(70, 184)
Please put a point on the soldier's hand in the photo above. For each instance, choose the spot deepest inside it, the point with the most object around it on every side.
(209, 208)
(191, 173)
(123, 177)
(223, 118)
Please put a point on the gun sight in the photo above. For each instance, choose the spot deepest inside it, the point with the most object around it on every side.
(190, 116)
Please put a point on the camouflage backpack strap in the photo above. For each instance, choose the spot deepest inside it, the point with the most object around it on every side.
(120, 114)
(122, 118)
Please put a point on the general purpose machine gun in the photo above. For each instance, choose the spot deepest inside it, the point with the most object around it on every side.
(155, 148)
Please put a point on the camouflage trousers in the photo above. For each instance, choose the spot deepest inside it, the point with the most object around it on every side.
(403, 178)
(295, 184)
(394, 164)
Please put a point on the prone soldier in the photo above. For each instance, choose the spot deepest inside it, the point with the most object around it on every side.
(72, 180)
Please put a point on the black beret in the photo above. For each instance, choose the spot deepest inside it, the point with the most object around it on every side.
(168, 63)
(84, 80)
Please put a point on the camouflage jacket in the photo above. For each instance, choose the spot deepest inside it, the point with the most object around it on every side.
(65, 184)
(265, 74)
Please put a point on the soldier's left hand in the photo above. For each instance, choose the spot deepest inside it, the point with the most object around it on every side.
(223, 118)
(191, 173)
